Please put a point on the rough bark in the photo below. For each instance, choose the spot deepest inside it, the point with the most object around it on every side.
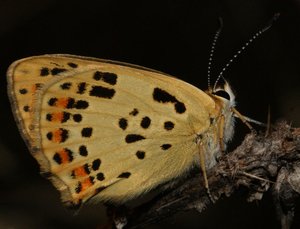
(259, 164)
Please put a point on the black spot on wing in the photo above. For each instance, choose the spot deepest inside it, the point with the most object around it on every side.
(130, 138)
(96, 164)
(91, 178)
(124, 175)
(145, 123)
(140, 154)
(134, 112)
(102, 92)
(169, 125)
(71, 102)
(77, 117)
(49, 136)
(44, 72)
(49, 117)
(180, 107)
(23, 91)
(123, 123)
(81, 88)
(64, 134)
(66, 86)
(57, 158)
(81, 104)
(73, 65)
(83, 150)
(56, 71)
(166, 146)
(86, 168)
(163, 96)
(100, 176)
(87, 132)
(107, 77)
(52, 101)
(69, 153)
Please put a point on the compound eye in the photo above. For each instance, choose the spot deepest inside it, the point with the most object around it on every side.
(223, 94)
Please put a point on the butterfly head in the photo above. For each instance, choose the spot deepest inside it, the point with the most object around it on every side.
(224, 93)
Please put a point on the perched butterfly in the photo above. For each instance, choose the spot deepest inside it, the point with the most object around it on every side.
(113, 131)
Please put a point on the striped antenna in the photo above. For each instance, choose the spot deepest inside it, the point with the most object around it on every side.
(256, 35)
(211, 54)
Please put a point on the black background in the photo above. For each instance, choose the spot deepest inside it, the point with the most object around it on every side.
(170, 36)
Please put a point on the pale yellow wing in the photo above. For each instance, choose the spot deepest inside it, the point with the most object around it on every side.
(107, 129)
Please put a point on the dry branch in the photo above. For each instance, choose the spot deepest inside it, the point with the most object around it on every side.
(260, 163)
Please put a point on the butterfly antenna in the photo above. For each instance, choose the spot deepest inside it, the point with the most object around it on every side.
(212, 50)
(256, 35)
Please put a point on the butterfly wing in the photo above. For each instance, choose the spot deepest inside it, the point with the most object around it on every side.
(107, 129)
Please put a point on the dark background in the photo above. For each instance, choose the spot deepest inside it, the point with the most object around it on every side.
(170, 36)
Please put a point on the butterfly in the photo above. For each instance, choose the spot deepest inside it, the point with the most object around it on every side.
(111, 130)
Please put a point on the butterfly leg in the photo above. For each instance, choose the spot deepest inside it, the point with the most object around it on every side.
(203, 168)
(221, 133)
(243, 119)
